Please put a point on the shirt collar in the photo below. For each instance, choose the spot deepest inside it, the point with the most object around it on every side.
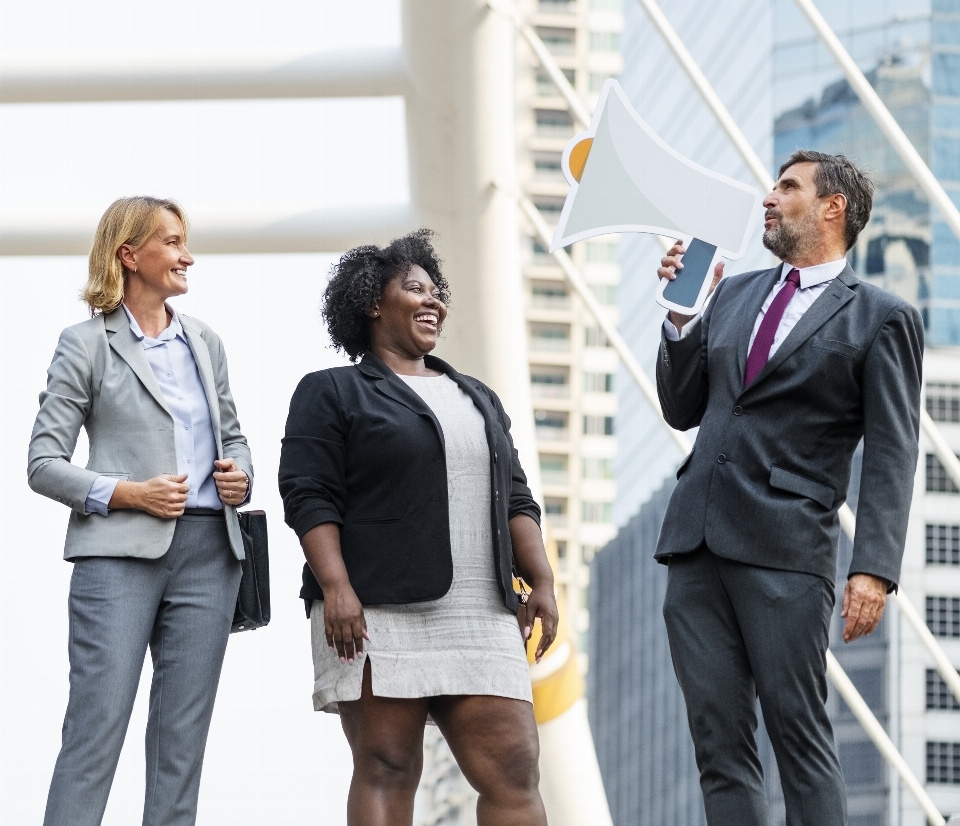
(819, 274)
(174, 329)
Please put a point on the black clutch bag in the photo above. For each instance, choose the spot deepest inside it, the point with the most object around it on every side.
(253, 599)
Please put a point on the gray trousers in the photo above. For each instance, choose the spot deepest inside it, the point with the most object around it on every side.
(738, 632)
(181, 606)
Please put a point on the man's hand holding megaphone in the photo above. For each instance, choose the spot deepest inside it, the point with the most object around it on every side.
(624, 178)
(669, 265)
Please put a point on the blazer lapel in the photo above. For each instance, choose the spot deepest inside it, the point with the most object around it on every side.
(762, 289)
(125, 344)
(828, 304)
(392, 386)
(202, 357)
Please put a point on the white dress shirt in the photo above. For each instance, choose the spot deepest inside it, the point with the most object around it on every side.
(813, 281)
(175, 368)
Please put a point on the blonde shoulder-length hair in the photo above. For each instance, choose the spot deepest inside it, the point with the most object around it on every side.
(127, 221)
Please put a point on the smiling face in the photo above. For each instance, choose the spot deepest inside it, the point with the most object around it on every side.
(159, 266)
(407, 319)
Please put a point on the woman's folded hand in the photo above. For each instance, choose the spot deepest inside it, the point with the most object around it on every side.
(541, 603)
(344, 623)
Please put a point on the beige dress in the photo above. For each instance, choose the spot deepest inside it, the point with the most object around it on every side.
(466, 642)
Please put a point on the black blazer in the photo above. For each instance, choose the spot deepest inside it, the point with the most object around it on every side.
(363, 450)
(772, 462)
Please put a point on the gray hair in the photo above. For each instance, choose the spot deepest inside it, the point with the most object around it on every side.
(838, 174)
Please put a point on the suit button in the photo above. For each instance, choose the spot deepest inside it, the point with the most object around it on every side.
(721, 458)
(738, 411)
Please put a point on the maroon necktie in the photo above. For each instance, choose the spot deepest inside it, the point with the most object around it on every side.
(760, 351)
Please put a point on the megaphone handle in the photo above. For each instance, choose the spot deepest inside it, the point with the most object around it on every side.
(684, 291)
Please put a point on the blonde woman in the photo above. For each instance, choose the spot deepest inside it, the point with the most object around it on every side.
(153, 532)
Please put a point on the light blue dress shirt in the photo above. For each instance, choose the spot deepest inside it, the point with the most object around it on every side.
(175, 368)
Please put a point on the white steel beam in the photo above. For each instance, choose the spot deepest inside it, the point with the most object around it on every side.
(875, 731)
(321, 230)
(59, 77)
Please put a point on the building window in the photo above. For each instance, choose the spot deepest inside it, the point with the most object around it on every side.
(943, 616)
(595, 337)
(598, 382)
(943, 544)
(938, 481)
(554, 337)
(602, 251)
(549, 295)
(547, 165)
(546, 86)
(558, 6)
(596, 511)
(550, 208)
(548, 382)
(605, 293)
(943, 402)
(939, 695)
(553, 469)
(551, 425)
(593, 468)
(943, 762)
(597, 79)
(557, 40)
(555, 509)
(604, 41)
(598, 425)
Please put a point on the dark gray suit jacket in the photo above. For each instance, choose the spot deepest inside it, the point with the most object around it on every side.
(771, 464)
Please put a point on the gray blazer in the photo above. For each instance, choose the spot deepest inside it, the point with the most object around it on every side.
(100, 379)
(771, 464)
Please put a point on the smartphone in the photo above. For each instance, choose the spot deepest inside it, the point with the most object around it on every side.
(687, 293)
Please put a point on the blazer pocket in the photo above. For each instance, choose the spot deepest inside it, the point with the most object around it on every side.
(795, 483)
(685, 463)
(850, 351)
(383, 520)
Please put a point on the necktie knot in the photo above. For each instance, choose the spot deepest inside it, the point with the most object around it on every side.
(794, 277)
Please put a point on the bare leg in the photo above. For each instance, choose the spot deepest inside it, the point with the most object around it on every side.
(496, 745)
(386, 737)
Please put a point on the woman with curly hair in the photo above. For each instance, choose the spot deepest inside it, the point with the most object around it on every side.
(401, 480)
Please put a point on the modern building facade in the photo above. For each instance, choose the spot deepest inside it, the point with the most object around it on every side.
(571, 366)
(793, 95)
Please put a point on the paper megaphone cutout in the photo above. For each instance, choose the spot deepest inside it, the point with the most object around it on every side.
(624, 178)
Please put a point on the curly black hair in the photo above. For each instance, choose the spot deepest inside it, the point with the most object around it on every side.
(357, 282)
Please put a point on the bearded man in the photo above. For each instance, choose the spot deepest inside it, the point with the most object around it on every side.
(785, 372)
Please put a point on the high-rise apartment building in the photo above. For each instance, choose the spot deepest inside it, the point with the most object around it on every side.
(572, 367)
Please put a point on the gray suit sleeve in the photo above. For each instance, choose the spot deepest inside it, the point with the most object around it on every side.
(234, 442)
(891, 417)
(682, 373)
(64, 407)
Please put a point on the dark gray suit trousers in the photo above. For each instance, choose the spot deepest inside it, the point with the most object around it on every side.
(181, 606)
(738, 632)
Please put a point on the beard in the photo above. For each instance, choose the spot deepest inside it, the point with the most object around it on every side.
(789, 237)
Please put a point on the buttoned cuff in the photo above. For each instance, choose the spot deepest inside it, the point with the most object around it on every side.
(98, 499)
(671, 333)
